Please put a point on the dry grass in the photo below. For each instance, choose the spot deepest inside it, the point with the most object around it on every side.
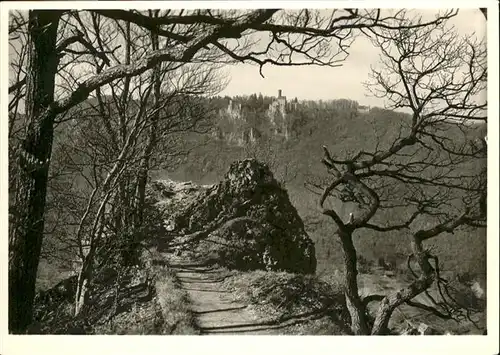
(139, 319)
(174, 304)
(283, 296)
(172, 300)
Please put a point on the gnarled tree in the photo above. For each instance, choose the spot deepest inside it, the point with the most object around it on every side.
(425, 179)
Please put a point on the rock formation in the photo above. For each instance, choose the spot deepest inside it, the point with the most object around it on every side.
(244, 222)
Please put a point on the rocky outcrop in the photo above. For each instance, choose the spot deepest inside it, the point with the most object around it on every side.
(245, 222)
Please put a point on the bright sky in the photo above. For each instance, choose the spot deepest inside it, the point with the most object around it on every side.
(314, 83)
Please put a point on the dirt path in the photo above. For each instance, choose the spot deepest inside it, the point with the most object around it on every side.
(214, 308)
(216, 313)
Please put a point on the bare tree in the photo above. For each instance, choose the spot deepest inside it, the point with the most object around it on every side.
(429, 178)
(116, 143)
(295, 38)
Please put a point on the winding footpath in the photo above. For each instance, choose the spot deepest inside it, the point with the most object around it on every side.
(215, 311)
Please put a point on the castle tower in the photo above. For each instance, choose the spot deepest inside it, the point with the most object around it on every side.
(279, 93)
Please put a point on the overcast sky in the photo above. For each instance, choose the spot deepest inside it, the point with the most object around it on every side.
(314, 83)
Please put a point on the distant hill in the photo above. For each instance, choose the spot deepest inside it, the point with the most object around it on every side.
(344, 133)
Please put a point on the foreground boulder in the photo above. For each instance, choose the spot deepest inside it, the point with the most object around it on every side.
(244, 222)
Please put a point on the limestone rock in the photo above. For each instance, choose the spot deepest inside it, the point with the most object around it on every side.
(251, 221)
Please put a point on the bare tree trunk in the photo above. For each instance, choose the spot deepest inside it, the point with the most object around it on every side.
(33, 167)
(86, 273)
(394, 300)
(121, 209)
(142, 176)
(355, 305)
(84, 280)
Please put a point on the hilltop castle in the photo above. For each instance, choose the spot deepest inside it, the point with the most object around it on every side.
(245, 119)
(277, 114)
(244, 132)
(277, 106)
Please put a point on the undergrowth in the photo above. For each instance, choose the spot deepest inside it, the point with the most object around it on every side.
(177, 317)
(283, 296)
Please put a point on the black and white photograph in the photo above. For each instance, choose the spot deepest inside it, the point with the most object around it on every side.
(230, 169)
